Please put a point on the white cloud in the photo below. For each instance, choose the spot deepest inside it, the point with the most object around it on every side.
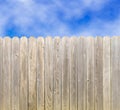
(3, 22)
(27, 14)
(100, 28)
(94, 4)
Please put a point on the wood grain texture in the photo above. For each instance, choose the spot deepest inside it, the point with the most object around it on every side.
(73, 73)
(7, 73)
(115, 56)
(65, 73)
(40, 74)
(57, 66)
(1, 74)
(49, 73)
(106, 73)
(118, 73)
(82, 74)
(15, 73)
(90, 73)
(23, 73)
(32, 69)
(98, 76)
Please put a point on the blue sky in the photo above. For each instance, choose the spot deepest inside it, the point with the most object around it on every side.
(59, 18)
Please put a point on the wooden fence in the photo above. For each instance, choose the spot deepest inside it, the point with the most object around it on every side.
(60, 73)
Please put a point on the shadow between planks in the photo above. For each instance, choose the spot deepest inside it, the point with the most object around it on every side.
(69, 73)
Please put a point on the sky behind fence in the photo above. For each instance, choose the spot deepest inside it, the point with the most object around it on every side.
(59, 17)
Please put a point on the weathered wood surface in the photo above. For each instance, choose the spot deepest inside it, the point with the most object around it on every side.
(115, 73)
(32, 74)
(60, 73)
(65, 54)
(23, 74)
(15, 73)
(106, 74)
(90, 73)
(49, 81)
(1, 74)
(40, 74)
(82, 73)
(98, 76)
(73, 77)
(7, 74)
(57, 66)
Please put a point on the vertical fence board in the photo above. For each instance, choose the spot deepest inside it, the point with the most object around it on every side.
(65, 72)
(90, 73)
(98, 76)
(32, 74)
(82, 74)
(57, 63)
(1, 74)
(106, 73)
(15, 73)
(7, 73)
(114, 73)
(40, 74)
(48, 74)
(73, 74)
(23, 74)
(118, 73)
(85, 72)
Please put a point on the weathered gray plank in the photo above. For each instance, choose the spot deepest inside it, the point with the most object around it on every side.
(32, 60)
(1, 74)
(48, 73)
(106, 73)
(73, 73)
(82, 73)
(90, 73)
(15, 73)
(40, 74)
(57, 63)
(118, 73)
(23, 73)
(65, 73)
(98, 76)
(115, 48)
(7, 73)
